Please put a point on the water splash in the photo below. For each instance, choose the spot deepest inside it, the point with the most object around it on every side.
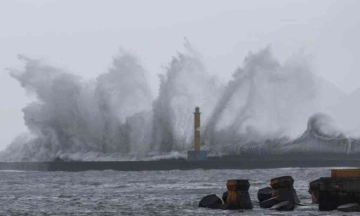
(263, 109)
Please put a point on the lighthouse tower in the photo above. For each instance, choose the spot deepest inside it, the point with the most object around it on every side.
(197, 154)
(197, 129)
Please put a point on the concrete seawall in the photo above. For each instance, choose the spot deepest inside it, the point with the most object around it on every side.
(175, 165)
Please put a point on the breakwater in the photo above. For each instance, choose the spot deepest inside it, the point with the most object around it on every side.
(181, 164)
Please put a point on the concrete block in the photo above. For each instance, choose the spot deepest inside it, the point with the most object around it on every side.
(264, 194)
(210, 201)
(238, 185)
(281, 182)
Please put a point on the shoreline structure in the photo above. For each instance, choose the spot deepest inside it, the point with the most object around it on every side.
(227, 162)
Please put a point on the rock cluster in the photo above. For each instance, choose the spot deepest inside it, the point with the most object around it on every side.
(237, 197)
(333, 193)
(281, 196)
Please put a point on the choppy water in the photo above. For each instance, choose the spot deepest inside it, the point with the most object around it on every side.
(140, 193)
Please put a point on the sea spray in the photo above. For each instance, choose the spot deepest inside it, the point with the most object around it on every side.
(265, 100)
(185, 85)
(263, 109)
(76, 116)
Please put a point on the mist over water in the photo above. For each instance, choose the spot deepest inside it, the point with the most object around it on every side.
(266, 107)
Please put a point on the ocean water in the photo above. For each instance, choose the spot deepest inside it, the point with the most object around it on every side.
(141, 193)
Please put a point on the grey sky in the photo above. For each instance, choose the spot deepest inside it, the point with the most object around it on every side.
(81, 36)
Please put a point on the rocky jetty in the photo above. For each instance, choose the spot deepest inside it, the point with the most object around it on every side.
(330, 193)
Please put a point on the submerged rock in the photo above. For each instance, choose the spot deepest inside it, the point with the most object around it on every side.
(351, 207)
(264, 194)
(210, 201)
(283, 206)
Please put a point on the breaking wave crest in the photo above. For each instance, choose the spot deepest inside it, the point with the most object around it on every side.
(263, 109)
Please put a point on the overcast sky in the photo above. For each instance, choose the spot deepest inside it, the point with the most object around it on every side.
(81, 36)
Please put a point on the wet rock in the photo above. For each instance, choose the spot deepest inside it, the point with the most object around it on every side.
(334, 192)
(271, 202)
(210, 201)
(224, 196)
(287, 194)
(351, 207)
(238, 185)
(264, 194)
(283, 206)
(282, 182)
(314, 188)
(330, 200)
(315, 185)
(314, 196)
(239, 200)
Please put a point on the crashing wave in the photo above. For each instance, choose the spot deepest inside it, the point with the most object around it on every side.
(261, 110)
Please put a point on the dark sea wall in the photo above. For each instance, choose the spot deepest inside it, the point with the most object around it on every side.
(177, 165)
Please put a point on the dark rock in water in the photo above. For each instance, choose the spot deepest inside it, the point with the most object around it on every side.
(209, 201)
(238, 185)
(264, 194)
(351, 207)
(271, 202)
(239, 200)
(224, 196)
(330, 200)
(282, 182)
(288, 194)
(283, 206)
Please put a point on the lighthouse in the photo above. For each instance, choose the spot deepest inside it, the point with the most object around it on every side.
(197, 154)
(197, 129)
